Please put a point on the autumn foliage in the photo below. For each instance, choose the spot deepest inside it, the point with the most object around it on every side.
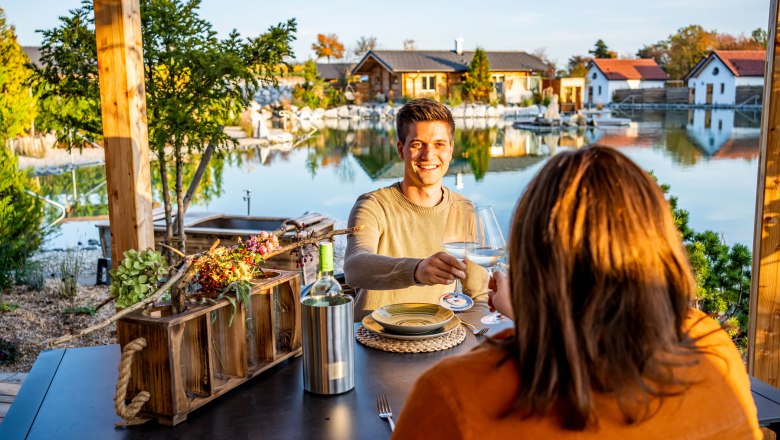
(328, 46)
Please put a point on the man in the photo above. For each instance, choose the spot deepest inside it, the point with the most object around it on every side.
(397, 255)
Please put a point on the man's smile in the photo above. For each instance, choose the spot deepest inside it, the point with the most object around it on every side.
(428, 167)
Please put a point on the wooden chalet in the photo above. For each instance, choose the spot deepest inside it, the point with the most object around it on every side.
(436, 74)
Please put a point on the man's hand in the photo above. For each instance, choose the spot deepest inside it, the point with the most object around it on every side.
(499, 298)
(439, 268)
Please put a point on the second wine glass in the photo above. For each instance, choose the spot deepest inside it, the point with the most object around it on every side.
(488, 247)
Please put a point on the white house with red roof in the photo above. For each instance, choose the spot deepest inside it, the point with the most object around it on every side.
(716, 77)
(605, 75)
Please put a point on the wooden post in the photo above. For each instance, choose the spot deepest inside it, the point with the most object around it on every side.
(764, 322)
(120, 63)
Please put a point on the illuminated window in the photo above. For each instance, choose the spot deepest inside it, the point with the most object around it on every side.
(429, 83)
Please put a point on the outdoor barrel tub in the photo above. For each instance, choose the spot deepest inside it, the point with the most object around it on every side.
(203, 228)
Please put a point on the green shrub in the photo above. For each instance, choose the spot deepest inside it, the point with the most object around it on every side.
(31, 275)
(70, 267)
(137, 276)
(527, 102)
(8, 307)
(9, 352)
(80, 310)
(21, 215)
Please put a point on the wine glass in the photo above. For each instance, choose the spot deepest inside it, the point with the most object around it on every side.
(487, 249)
(459, 234)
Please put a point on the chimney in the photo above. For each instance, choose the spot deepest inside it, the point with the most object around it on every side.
(459, 45)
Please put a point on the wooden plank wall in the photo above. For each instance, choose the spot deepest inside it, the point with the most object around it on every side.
(764, 337)
(120, 61)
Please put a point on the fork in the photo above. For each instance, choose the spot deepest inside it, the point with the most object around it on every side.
(476, 331)
(384, 410)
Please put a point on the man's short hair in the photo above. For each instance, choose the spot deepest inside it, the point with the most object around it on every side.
(422, 110)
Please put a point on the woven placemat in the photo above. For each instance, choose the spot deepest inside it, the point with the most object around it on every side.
(443, 342)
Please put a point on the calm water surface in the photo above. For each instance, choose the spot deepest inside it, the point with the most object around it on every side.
(710, 160)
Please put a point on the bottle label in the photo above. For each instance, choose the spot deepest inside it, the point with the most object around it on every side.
(326, 257)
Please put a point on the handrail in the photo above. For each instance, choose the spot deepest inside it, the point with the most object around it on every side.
(51, 202)
(754, 98)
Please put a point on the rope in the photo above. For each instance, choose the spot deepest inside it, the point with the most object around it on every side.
(129, 413)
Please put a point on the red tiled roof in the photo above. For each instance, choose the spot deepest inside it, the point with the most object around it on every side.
(615, 69)
(743, 62)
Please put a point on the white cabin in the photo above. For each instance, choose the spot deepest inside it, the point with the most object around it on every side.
(605, 75)
(717, 77)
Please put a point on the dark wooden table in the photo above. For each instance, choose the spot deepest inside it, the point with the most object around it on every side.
(69, 394)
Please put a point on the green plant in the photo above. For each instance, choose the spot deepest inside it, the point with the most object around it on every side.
(722, 274)
(31, 275)
(8, 307)
(9, 351)
(80, 310)
(137, 276)
(21, 215)
(70, 267)
(194, 83)
(17, 104)
(477, 86)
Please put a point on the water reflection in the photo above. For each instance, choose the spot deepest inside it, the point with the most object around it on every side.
(492, 163)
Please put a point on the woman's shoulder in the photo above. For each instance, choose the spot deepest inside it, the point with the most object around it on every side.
(487, 357)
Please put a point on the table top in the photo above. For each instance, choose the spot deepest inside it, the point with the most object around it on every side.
(69, 394)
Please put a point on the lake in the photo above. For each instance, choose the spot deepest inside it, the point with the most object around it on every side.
(709, 158)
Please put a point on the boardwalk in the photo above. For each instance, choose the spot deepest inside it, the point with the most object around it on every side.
(9, 388)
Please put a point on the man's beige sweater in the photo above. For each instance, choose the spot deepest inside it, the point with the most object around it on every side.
(397, 234)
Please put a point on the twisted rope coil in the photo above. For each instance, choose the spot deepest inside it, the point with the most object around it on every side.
(129, 413)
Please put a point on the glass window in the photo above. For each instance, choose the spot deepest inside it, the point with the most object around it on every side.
(599, 90)
(429, 83)
(722, 88)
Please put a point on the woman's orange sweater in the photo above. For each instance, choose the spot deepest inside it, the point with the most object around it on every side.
(464, 397)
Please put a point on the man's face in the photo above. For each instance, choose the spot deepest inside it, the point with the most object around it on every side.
(426, 153)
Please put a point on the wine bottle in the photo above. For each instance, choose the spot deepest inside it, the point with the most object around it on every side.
(326, 285)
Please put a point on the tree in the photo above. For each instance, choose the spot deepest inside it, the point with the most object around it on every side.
(194, 82)
(328, 46)
(659, 52)
(686, 48)
(722, 274)
(364, 45)
(600, 50)
(541, 53)
(17, 105)
(759, 36)
(477, 86)
(21, 216)
(578, 66)
(410, 44)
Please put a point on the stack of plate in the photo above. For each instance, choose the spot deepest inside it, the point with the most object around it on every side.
(411, 321)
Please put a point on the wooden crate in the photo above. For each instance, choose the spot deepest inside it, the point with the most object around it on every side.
(196, 356)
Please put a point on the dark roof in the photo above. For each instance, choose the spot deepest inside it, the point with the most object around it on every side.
(449, 61)
(739, 62)
(645, 68)
(34, 53)
(743, 62)
(333, 71)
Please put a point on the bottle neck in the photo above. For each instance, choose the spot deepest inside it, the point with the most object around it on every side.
(324, 273)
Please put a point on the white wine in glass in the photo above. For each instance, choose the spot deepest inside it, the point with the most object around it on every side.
(458, 236)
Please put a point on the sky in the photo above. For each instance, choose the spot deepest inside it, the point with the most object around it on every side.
(562, 28)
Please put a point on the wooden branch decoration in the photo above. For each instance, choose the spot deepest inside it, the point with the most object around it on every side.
(183, 270)
(184, 275)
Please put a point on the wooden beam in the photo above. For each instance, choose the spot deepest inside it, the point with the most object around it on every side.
(764, 321)
(120, 63)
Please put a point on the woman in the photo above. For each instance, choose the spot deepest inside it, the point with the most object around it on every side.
(606, 343)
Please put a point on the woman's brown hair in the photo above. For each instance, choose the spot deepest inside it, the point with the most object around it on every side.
(600, 288)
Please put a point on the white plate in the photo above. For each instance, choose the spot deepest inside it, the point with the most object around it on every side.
(376, 328)
(412, 318)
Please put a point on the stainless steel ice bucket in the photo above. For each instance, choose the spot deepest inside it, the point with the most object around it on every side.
(328, 344)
